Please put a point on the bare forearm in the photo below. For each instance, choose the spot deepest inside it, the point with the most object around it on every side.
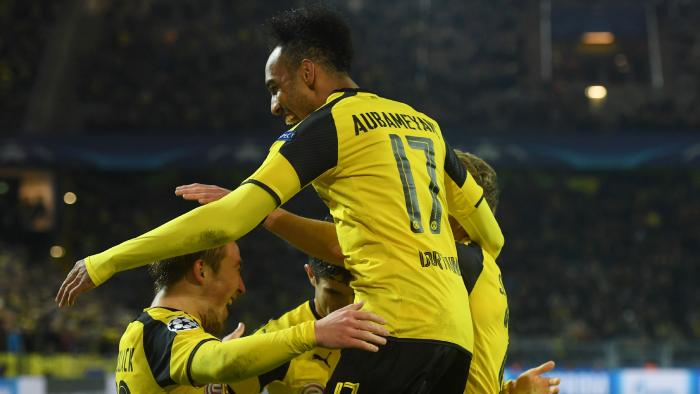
(316, 238)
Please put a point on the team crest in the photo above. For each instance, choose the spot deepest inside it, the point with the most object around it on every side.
(182, 323)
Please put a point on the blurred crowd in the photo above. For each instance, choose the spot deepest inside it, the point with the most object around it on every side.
(25, 28)
(602, 255)
(589, 256)
(163, 65)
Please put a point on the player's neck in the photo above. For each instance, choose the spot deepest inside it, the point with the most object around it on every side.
(183, 302)
(336, 82)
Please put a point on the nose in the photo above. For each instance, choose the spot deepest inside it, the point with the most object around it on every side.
(241, 287)
(275, 107)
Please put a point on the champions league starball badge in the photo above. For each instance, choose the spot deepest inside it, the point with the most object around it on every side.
(182, 323)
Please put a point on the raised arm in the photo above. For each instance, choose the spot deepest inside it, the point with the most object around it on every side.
(238, 359)
(205, 227)
(316, 238)
(465, 200)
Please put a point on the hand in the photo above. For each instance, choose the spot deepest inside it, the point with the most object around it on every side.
(204, 194)
(237, 333)
(348, 327)
(532, 381)
(76, 283)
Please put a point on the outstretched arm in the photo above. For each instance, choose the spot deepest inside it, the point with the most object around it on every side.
(532, 382)
(238, 359)
(205, 227)
(316, 238)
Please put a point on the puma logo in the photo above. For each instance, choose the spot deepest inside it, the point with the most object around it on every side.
(325, 360)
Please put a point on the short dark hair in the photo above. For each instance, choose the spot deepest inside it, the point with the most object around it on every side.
(323, 270)
(169, 271)
(314, 32)
(484, 175)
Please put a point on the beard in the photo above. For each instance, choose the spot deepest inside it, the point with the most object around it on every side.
(212, 323)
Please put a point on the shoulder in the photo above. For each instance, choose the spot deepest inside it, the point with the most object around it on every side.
(300, 314)
(471, 263)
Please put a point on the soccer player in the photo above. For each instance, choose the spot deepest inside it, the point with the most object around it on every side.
(308, 372)
(390, 181)
(481, 275)
(171, 346)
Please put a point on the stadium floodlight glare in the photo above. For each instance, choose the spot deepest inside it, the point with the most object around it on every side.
(598, 38)
(70, 198)
(596, 92)
(57, 251)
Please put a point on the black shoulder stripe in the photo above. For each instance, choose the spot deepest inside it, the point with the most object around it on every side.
(471, 263)
(314, 148)
(191, 357)
(454, 167)
(479, 202)
(274, 195)
(157, 345)
(276, 374)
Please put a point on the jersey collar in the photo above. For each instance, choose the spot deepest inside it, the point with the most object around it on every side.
(339, 92)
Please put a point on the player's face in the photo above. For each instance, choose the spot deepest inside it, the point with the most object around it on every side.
(290, 98)
(223, 288)
(332, 295)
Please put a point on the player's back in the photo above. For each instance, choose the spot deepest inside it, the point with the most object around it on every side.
(388, 199)
(489, 307)
(154, 352)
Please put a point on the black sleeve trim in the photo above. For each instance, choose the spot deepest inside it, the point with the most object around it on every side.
(276, 374)
(313, 149)
(274, 195)
(454, 167)
(471, 263)
(312, 305)
(191, 358)
(157, 346)
(479, 202)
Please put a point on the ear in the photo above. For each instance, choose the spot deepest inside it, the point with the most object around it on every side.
(310, 274)
(198, 271)
(308, 72)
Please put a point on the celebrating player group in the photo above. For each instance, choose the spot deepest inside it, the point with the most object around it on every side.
(408, 296)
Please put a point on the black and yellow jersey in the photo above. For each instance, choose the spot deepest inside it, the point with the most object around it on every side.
(306, 373)
(156, 351)
(389, 180)
(167, 351)
(489, 308)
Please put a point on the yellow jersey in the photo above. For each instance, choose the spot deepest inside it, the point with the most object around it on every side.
(306, 373)
(389, 179)
(488, 302)
(167, 351)
(155, 353)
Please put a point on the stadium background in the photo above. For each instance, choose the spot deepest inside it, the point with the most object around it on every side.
(106, 106)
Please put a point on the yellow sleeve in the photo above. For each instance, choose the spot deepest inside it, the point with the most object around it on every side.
(465, 201)
(205, 227)
(242, 358)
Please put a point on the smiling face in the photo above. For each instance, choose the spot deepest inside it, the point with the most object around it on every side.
(291, 96)
(222, 288)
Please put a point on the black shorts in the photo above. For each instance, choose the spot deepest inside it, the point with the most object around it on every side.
(402, 366)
